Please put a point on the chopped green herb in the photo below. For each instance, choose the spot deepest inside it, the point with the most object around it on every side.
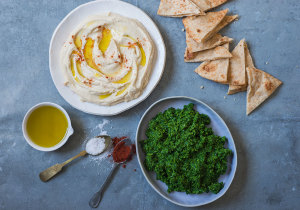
(184, 153)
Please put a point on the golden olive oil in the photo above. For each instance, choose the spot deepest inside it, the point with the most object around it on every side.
(47, 126)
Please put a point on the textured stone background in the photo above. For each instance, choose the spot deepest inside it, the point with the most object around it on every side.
(268, 174)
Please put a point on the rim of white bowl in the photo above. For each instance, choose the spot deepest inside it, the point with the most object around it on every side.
(69, 131)
(141, 164)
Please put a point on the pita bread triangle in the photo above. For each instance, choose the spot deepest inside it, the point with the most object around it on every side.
(199, 27)
(215, 41)
(224, 22)
(261, 86)
(249, 60)
(249, 63)
(214, 70)
(219, 52)
(236, 89)
(208, 4)
(237, 70)
(178, 8)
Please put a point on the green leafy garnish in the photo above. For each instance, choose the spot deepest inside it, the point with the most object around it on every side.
(184, 153)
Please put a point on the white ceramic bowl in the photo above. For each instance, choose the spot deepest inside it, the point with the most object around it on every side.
(61, 143)
(219, 127)
(71, 21)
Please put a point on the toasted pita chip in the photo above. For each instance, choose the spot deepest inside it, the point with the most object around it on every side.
(178, 8)
(261, 86)
(237, 70)
(219, 52)
(249, 63)
(224, 22)
(215, 70)
(233, 89)
(200, 27)
(215, 41)
(208, 4)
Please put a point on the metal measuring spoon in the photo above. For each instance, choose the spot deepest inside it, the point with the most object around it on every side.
(95, 200)
(55, 169)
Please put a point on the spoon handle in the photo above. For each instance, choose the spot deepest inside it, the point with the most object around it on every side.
(82, 153)
(50, 172)
(95, 200)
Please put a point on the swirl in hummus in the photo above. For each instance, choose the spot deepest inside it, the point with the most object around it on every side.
(107, 60)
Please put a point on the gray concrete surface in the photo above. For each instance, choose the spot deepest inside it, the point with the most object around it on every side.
(268, 174)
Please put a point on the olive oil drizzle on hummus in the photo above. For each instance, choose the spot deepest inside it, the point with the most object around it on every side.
(105, 41)
(109, 60)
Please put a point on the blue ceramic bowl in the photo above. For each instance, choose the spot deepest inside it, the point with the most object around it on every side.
(219, 127)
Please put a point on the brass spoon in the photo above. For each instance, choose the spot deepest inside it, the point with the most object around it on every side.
(95, 200)
(55, 169)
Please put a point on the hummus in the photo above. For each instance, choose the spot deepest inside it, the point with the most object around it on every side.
(107, 60)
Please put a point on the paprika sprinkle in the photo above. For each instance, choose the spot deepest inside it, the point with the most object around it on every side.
(116, 140)
(133, 149)
(121, 152)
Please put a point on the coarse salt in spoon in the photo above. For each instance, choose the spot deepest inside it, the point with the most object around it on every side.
(94, 146)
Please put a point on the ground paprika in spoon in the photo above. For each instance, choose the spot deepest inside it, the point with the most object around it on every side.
(121, 152)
